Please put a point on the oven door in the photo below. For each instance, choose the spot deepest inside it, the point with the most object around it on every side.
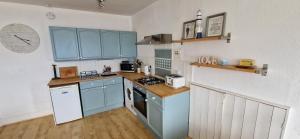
(140, 101)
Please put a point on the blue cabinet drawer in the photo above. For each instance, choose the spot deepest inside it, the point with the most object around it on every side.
(110, 81)
(154, 98)
(91, 84)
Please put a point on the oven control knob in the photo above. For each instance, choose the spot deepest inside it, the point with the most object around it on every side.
(153, 98)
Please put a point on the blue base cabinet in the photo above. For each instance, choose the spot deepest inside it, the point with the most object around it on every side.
(101, 95)
(168, 117)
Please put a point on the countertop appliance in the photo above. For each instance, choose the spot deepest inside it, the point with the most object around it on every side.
(147, 70)
(150, 80)
(140, 101)
(127, 66)
(128, 93)
(156, 39)
(175, 81)
(66, 103)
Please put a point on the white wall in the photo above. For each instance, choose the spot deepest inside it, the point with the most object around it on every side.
(23, 85)
(267, 31)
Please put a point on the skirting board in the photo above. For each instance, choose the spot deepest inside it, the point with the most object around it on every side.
(25, 117)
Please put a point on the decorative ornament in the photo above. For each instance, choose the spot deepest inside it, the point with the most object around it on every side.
(199, 28)
(51, 16)
(19, 38)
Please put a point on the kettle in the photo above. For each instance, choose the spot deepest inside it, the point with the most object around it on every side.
(147, 70)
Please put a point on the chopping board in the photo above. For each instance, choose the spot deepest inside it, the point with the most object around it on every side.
(68, 72)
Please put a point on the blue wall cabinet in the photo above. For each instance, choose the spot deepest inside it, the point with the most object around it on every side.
(113, 94)
(64, 43)
(128, 44)
(110, 41)
(93, 100)
(89, 43)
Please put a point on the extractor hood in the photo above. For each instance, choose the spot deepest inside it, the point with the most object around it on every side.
(156, 39)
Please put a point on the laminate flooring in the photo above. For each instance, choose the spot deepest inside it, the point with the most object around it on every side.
(115, 124)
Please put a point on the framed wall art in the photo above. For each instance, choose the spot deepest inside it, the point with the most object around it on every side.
(215, 25)
(189, 29)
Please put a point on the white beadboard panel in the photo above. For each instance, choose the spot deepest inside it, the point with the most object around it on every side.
(197, 112)
(249, 119)
(228, 108)
(192, 115)
(204, 114)
(238, 118)
(219, 114)
(277, 124)
(263, 122)
(212, 106)
(219, 111)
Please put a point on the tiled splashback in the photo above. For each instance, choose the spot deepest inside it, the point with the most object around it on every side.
(163, 62)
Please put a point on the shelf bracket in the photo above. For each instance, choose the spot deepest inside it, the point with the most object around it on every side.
(264, 70)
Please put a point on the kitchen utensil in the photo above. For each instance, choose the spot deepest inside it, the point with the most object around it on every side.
(68, 72)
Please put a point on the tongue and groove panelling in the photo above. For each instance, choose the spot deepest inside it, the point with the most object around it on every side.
(216, 114)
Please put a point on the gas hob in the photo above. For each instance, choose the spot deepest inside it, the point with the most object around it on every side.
(150, 80)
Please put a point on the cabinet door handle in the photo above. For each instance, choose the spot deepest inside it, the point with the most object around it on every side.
(64, 93)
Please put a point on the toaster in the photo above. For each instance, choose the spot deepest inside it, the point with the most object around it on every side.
(175, 81)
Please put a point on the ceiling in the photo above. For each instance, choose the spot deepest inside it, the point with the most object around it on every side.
(121, 7)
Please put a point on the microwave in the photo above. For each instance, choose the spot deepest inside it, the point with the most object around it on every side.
(126, 66)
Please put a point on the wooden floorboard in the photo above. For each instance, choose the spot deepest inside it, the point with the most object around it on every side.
(116, 124)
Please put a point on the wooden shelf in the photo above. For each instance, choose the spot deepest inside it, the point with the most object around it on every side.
(229, 67)
(228, 37)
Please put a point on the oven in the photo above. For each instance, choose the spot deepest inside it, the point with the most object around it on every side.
(140, 100)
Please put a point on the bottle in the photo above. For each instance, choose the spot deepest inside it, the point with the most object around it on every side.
(199, 28)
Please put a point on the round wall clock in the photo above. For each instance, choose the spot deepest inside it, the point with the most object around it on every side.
(19, 38)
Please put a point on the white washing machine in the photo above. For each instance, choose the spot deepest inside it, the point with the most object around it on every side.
(128, 93)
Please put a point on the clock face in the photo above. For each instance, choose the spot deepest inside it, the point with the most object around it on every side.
(19, 38)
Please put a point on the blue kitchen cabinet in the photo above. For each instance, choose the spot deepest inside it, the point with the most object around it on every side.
(155, 117)
(89, 43)
(93, 100)
(110, 41)
(114, 94)
(168, 117)
(101, 95)
(64, 43)
(128, 44)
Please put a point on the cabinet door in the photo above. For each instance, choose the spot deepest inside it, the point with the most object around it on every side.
(92, 99)
(89, 43)
(114, 94)
(110, 41)
(128, 44)
(65, 44)
(155, 117)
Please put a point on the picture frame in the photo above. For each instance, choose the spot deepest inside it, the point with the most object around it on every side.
(189, 30)
(215, 25)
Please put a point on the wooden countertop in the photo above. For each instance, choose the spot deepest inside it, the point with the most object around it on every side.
(160, 90)
(66, 81)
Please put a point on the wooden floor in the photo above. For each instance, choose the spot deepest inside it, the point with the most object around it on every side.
(116, 124)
